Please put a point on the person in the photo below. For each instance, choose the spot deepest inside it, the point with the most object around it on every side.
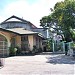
(44, 48)
(66, 48)
(66, 44)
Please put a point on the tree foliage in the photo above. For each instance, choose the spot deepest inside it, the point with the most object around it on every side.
(61, 19)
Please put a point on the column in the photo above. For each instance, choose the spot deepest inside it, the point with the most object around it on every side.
(53, 47)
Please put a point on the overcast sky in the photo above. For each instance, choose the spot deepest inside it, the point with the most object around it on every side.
(30, 10)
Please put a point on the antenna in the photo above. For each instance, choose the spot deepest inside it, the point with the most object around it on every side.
(22, 17)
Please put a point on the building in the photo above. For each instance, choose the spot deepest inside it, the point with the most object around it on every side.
(16, 31)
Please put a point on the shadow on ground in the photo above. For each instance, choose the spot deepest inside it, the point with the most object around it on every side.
(60, 59)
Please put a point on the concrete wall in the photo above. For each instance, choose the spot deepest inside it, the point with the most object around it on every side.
(18, 41)
(30, 38)
(7, 36)
(34, 40)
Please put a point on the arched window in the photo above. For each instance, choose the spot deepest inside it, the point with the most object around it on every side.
(3, 46)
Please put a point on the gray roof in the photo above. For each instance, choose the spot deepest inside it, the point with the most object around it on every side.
(22, 31)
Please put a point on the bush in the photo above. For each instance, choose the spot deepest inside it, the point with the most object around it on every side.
(18, 49)
(40, 49)
(49, 45)
(11, 51)
(34, 49)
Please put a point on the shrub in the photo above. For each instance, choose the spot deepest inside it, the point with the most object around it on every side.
(40, 49)
(34, 49)
(18, 49)
(11, 51)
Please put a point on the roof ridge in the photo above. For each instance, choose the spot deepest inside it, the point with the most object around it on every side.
(13, 16)
(16, 18)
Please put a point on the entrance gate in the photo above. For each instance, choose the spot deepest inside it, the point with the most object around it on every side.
(59, 47)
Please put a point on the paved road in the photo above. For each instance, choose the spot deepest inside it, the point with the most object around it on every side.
(53, 64)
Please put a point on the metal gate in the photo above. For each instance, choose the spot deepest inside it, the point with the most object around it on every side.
(3, 49)
(59, 47)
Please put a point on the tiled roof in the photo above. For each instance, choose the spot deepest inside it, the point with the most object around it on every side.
(22, 31)
(15, 18)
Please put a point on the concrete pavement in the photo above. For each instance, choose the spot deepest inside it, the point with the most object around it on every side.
(53, 64)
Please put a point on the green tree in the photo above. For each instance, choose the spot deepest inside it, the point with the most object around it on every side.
(61, 19)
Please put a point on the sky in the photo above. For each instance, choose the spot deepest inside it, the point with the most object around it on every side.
(30, 10)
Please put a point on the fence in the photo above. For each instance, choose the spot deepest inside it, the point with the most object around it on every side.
(70, 50)
(60, 46)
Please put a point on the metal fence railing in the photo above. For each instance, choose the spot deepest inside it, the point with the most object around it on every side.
(61, 46)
